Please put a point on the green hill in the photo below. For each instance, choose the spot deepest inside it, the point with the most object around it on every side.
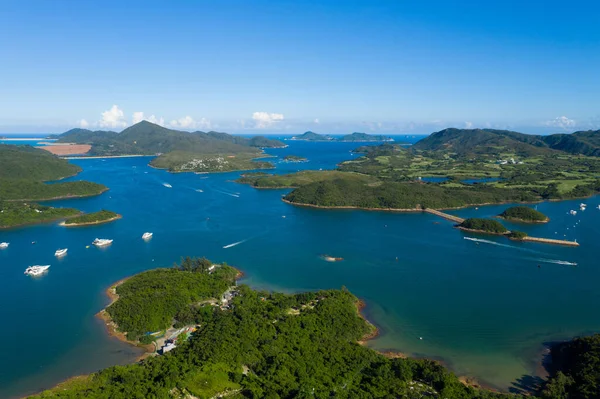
(23, 171)
(25, 162)
(523, 214)
(147, 138)
(364, 137)
(491, 141)
(312, 136)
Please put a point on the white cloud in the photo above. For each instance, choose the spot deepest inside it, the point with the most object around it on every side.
(83, 123)
(468, 125)
(187, 122)
(265, 119)
(113, 118)
(139, 116)
(316, 121)
(562, 122)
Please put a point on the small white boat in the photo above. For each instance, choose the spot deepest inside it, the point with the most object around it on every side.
(36, 270)
(147, 236)
(60, 252)
(102, 242)
(3, 245)
(167, 185)
(572, 212)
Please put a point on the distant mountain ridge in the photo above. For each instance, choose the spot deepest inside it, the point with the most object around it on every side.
(356, 137)
(490, 141)
(147, 138)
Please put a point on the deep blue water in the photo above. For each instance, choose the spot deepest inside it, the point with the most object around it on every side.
(484, 308)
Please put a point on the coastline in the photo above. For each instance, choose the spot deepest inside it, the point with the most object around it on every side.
(48, 221)
(64, 197)
(516, 220)
(106, 156)
(64, 224)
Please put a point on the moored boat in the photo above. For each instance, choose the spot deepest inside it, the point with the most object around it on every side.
(60, 252)
(36, 270)
(147, 236)
(102, 242)
(3, 245)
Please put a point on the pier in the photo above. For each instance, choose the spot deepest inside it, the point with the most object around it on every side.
(444, 215)
(552, 241)
(529, 239)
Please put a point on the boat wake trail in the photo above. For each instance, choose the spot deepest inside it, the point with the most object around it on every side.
(234, 244)
(226, 193)
(556, 261)
(481, 240)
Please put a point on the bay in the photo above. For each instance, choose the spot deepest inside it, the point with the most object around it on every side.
(484, 308)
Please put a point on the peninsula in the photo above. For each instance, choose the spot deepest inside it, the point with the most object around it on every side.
(175, 150)
(198, 319)
(24, 171)
(89, 219)
(210, 318)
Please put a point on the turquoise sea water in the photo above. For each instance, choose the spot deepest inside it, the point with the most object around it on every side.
(485, 308)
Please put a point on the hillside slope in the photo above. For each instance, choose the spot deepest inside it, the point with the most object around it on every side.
(491, 141)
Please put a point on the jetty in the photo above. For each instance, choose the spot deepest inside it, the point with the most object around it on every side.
(446, 216)
(529, 239)
(551, 241)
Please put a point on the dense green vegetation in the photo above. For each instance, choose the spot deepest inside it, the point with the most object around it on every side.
(484, 225)
(261, 180)
(29, 163)
(400, 195)
(92, 218)
(356, 137)
(14, 214)
(23, 170)
(575, 370)
(184, 161)
(524, 214)
(148, 139)
(490, 141)
(517, 235)
(312, 136)
(294, 158)
(154, 300)
(11, 189)
(265, 345)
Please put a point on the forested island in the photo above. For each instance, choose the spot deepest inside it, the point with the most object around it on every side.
(486, 226)
(353, 137)
(87, 219)
(24, 171)
(524, 214)
(294, 158)
(311, 337)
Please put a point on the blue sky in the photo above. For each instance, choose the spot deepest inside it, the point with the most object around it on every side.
(291, 66)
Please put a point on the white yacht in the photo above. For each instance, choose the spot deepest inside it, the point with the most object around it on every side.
(147, 236)
(572, 212)
(36, 270)
(167, 185)
(3, 245)
(102, 242)
(60, 252)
